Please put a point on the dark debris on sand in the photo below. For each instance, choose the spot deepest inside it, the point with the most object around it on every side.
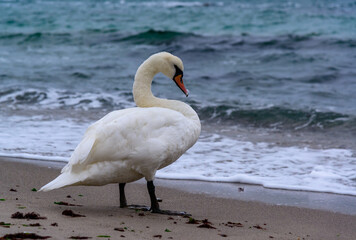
(206, 224)
(34, 225)
(5, 225)
(70, 213)
(259, 227)
(23, 236)
(31, 215)
(233, 224)
(67, 204)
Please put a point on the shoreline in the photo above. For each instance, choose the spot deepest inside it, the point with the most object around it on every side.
(337, 203)
(228, 218)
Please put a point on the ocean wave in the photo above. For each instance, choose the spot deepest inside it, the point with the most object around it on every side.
(60, 99)
(185, 41)
(351, 43)
(36, 37)
(181, 4)
(156, 37)
(321, 78)
(275, 117)
(285, 41)
(229, 114)
(288, 46)
(288, 41)
(94, 37)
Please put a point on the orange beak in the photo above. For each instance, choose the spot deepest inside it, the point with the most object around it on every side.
(178, 79)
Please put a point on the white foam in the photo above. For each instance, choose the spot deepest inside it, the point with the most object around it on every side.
(39, 137)
(34, 157)
(219, 159)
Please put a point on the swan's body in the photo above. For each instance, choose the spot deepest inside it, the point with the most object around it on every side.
(129, 144)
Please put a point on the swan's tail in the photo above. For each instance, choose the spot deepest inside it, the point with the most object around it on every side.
(63, 180)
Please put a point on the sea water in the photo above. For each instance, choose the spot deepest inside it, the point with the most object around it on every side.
(274, 82)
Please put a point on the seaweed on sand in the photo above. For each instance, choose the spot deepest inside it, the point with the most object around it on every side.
(70, 213)
(23, 236)
(31, 215)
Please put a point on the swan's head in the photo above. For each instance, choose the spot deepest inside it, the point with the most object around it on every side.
(172, 67)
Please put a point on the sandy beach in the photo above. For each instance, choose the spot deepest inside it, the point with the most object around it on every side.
(101, 217)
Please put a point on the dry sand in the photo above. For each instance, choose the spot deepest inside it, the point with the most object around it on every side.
(231, 219)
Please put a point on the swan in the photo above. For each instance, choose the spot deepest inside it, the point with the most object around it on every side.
(127, 145)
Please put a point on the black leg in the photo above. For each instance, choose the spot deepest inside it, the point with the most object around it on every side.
(123, 202)
(154, 202)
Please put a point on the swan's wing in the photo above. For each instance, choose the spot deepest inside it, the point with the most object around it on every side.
(133, 136)
(82, 151)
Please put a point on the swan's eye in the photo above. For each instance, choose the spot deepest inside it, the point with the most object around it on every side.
(178, 72)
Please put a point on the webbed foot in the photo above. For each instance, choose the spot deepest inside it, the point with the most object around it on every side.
(139, 207)
(169, 212)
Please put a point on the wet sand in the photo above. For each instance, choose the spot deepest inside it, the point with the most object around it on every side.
(228, 218)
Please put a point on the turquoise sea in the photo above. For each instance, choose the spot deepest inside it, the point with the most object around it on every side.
(274, 82)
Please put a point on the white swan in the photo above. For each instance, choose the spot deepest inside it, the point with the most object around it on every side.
(129, 144)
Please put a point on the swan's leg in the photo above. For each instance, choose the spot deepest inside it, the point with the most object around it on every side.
(123, 202)
(154, 202)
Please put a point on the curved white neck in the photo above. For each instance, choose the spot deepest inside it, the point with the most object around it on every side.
(143, 96)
